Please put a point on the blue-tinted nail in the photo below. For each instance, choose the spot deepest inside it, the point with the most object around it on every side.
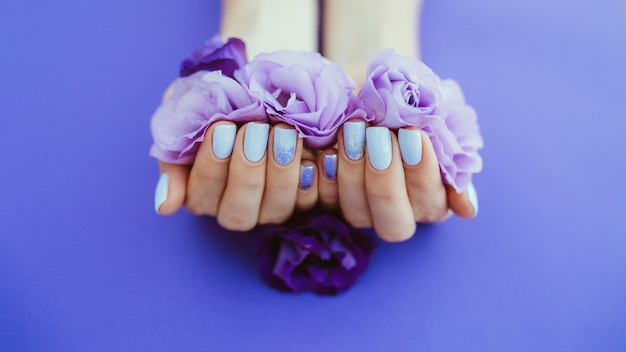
(255, 141)
(379, 147)
(160, 194)
(306, 177)
(223, 140)
(330, 166)
(473, 198)
(410, 146)
(284, 145)
(354, 139)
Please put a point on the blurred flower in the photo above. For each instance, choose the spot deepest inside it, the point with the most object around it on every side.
(313, 252)
(216, 55)
(197, 101)
(304, 90)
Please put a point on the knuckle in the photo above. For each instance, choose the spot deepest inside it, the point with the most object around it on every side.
(235, 223)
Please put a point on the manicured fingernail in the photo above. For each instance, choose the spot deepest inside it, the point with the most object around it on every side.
(472, 197)
(160, 194)
(306, 177)
(379, 147)
(330, 166)
(223, 140)
(354, 139)
(255, 141)
(410, 146)
(284, 145)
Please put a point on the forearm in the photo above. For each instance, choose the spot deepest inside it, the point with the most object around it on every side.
(355, 29)
(269, 25)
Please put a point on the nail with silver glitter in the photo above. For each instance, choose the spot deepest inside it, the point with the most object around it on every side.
(306, 177)
(354, 139)
(284, 145)
(330, 166)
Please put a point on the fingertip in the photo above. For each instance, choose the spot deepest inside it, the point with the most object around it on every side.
(464, 204)
(170, 191)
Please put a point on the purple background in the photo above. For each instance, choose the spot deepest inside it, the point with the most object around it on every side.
(86, 264)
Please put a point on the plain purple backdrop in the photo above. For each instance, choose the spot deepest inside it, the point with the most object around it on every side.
(86, 264)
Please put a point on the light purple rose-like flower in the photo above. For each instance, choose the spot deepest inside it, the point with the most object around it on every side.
(216, 55)
(312, 252)
(456, 139)
(304, 90)
(400, 91)
(197, 101)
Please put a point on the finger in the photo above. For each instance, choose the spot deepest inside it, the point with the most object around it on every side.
(307, 195)
(425, 187)
(170, 191)
(391, 210)
(240, 204)
(350, 174)
(209, 173)
(282, 176)
(463, 204)
(327, 184)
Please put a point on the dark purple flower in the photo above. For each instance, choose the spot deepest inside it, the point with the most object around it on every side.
(216, 55)
(313, 252)
(196, 102)
(304, 90)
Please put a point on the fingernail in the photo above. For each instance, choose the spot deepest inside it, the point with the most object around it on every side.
(473, 198)
(223, 140)
(255, 141)
(284, 145)
(306, 177)
(160, 194)
(410, 146)
(330, 166)
(379, 147)
(354, 139)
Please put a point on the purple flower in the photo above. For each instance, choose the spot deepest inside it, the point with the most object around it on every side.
(304, 90)
(456, 139)
(196, 102)
(400, 91)
(216, 55)
(313, 252)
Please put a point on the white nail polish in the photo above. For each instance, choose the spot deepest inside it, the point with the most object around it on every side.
(223, 140)
(160, 194)
(255, 141)
(410, 146)
(379, 147)
(473, 198)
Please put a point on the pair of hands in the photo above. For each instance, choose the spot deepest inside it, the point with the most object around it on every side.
(257, 174)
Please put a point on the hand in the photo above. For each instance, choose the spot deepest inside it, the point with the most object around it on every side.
(388, 182)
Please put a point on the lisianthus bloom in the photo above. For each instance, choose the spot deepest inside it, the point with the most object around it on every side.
(456, 139)
(401, 91)
(312, 252)
(215, 55)
(304, 90)
(197, 101)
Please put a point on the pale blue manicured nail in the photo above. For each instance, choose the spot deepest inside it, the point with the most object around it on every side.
(255, 141)
(284, 145)
(306, 177)
(472, 197)
(223, 140)
(330, 166)
(379, 147)
(354, 139)
(410, 146)
(160, 194)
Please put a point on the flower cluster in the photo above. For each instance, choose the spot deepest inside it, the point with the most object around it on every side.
(314, 252)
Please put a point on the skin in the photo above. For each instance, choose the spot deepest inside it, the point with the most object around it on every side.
(242, 194)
